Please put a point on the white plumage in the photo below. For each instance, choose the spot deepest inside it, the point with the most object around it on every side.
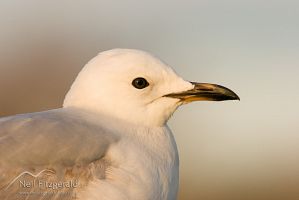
(110, 137)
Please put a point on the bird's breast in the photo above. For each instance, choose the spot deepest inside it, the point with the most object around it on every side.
(145, 165)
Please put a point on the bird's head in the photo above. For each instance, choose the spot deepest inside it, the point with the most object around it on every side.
(135, 86)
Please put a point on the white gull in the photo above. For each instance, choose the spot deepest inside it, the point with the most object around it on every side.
(110, 137)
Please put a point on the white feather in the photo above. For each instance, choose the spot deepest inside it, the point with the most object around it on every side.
(109, 135)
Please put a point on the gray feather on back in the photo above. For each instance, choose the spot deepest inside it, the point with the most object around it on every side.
(62, 146)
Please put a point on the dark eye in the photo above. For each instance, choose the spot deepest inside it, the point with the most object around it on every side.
(140, 83)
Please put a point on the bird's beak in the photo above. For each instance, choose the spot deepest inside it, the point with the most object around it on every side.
(205, 92)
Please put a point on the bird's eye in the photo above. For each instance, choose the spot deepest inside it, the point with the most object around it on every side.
(140, 83)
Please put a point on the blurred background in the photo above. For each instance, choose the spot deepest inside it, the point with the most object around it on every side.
(245, 150)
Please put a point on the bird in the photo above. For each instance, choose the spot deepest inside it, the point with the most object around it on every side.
(109, 140)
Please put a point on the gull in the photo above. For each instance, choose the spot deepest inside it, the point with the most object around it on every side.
(110, 139)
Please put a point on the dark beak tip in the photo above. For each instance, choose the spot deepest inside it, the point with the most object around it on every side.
(236, 97)
(233, 96)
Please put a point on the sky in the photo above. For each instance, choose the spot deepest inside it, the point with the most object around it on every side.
(228, 150)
